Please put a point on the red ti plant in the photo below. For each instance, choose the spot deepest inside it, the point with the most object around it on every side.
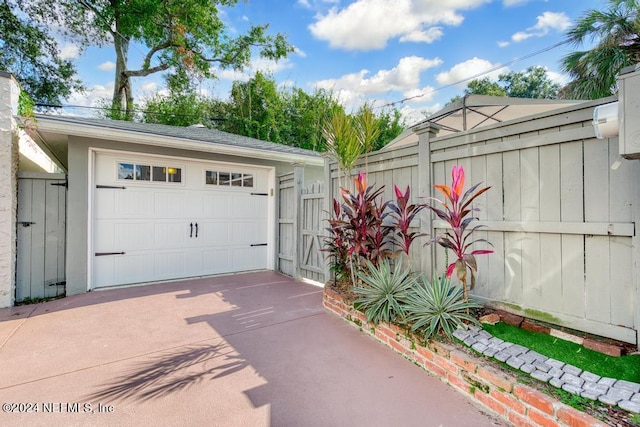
(456, 210)
(403, 214)
(365, 216)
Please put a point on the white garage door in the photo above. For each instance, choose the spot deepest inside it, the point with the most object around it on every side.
(162, 218)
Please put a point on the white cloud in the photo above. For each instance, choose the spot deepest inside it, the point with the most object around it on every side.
(419, 95)
(429, 36)
(403, 77)
(107, 66)
(545, 23)
(69, 51)
(561, 79)
(263, 65)
(470, 69)
(509, 3)
(412, 115)
(503, 44)
(369, 24)
(149, 87)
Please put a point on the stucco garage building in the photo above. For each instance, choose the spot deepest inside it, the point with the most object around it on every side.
(147, 203)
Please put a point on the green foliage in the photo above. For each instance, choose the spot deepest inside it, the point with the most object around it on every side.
(438, 307)
(383, 293)
(26, 105)
(176, 33)
(531, 83)
(625, 367)
(615, 36)
(484, 86)
(342, 140)
(28, 52)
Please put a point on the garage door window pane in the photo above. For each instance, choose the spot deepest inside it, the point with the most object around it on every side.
(247, 180)
(143, 173)
(125, 171)
(159, 174)
(224, 178)
(175, 174)
(211, 178)
(236, 180)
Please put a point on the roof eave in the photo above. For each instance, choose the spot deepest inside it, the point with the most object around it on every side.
(144, 138)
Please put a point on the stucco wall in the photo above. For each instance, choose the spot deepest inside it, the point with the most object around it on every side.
(78, 195)
(9, 92)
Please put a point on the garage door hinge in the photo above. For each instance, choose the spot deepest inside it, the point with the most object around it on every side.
(111, 186)
(259, 244)
(61, 184)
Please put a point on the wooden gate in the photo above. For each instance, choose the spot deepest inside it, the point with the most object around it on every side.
(42, 200)
(300, 227)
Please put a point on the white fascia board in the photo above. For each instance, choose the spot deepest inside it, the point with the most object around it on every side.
(143, 138)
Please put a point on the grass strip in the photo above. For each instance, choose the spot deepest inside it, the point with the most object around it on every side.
(621, 368)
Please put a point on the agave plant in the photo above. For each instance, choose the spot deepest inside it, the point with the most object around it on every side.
(383, 293)
(438, 307)
(456, 211)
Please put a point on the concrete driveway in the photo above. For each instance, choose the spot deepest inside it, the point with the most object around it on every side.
(252, 349)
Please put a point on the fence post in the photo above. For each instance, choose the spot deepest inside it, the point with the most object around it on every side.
(425, 131)
(327, 207)
(298, 183)
(9, 93)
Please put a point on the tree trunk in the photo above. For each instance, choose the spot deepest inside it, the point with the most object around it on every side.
(122, 102)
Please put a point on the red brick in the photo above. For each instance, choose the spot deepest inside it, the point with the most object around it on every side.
(574, 418)
(509, 401)
(425, 352)
(490, 403)
(511, 319)
(463, 360)
(418, 359)
(387, 331)
(398, 346)
(519, 421)
(434, 369)
(534, 398)
(380, 336)
(440, 349)
(542, 420)
(459, 383)
(602, 347)
(535, 327)
(496, 378)
(446, 364)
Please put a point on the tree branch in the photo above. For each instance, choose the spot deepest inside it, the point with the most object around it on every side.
(153, 51)
(146, 71)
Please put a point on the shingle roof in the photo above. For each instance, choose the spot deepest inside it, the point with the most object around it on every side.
(192, 133)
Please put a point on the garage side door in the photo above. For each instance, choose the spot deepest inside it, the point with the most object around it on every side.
(160, 219)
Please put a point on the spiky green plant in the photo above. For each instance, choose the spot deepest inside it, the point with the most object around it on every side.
(383, 293)
(438, 307)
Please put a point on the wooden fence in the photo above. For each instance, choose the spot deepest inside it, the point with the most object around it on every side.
(301, 223)
(561, 215)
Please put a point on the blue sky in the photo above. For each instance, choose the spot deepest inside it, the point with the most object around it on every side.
(377, 51)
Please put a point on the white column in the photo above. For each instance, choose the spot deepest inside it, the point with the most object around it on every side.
(9, 93)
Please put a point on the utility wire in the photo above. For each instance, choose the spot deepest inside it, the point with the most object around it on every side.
(490, 70)
(137, 110)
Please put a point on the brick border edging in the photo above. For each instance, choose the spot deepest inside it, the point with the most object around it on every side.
(496, 391)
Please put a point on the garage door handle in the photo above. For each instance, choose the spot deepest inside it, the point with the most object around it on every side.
(108, 253)
(259, 244)
(196, 230)
(191, 232)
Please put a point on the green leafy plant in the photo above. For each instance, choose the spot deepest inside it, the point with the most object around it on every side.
(403, 215)
(456, 210)
(383, 292)
(336, 244)
(26, 105)
(438, 307)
